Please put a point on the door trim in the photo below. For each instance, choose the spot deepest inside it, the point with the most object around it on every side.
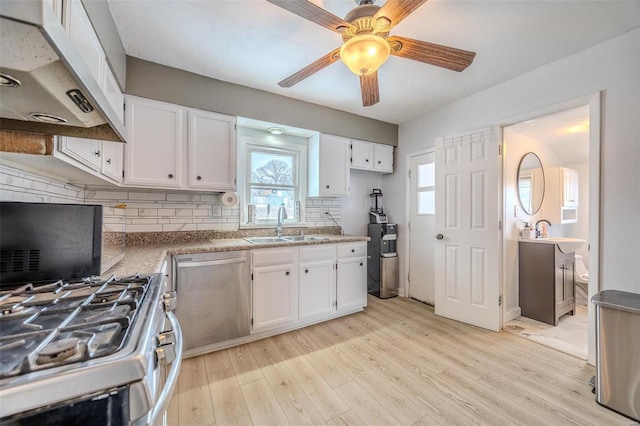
(593, 100)
(407, 217)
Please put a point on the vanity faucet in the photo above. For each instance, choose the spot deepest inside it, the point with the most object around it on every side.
(542, 220)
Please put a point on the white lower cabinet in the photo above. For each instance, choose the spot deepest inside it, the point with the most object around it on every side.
(299, 285)
(274, 288)
(317, 281)
(351, 280)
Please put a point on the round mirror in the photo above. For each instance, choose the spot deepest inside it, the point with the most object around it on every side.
(530, 183)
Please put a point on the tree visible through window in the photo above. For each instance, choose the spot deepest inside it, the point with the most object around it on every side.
(273, 183)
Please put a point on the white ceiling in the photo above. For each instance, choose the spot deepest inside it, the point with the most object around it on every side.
(256, 44)
(566, 132)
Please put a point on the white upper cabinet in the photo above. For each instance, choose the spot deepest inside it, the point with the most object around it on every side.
(328, 169)
(561, 195)
(371, 156)
(153, 156)
(112, 92)
(212, 151)
(80, 31)
(112, 160)
(383, 158)
(85, 151)
(361, 155)
(163, 152)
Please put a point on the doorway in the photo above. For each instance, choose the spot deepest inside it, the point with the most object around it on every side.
(421, 225)
(563, 141)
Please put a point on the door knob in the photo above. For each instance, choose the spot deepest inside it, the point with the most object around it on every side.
(439, 237)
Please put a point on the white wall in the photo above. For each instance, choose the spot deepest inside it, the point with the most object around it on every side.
(612, 67)
(355, 209)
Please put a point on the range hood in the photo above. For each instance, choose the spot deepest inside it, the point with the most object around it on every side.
(55, 92)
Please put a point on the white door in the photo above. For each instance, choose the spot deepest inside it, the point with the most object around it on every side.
(422, 198)
(467, 228)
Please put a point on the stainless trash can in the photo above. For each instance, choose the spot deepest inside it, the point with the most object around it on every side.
(617, 351)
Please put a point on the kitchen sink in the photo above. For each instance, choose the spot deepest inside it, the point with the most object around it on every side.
(302, 238)
(265, 240)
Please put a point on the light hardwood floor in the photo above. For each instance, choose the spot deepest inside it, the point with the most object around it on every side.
(396, 363)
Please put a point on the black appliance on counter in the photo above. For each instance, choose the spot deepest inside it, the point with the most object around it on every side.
(77, 349)
(41, 241)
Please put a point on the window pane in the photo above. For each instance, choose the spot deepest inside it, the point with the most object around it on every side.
(426, 175)
(268, 200)
(271, 168)
(427, 202)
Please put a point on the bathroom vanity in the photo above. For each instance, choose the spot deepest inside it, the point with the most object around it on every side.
(547, 282)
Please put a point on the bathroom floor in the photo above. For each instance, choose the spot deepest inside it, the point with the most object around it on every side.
(569, 336)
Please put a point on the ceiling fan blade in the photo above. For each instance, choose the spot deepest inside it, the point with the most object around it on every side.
(370, 89)
(396, 10)
(307, 10)
(430, 53)
(311, 69)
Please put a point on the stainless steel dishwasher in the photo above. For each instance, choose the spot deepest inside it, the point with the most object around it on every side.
(214, 299)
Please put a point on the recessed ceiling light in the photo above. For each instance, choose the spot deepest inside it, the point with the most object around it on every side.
(276, 130)
(47, 118)
(8, 81)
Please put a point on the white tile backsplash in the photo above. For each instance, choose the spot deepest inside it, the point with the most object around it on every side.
(147, 211)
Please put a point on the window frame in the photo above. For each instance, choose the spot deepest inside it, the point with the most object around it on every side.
(258, 141)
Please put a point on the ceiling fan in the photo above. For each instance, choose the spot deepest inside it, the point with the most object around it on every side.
(367, 44)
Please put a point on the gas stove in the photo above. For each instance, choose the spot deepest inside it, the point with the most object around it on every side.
(52, 324)
(78, 343)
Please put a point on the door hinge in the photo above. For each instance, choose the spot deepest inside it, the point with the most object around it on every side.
(409, 277)
(500, 300)
(123, 173)
(351, 160)
(500, 149)
(409, 172)
(251, 321)
(252, 276)
(335, 303)
(235, 126)
(499, 225)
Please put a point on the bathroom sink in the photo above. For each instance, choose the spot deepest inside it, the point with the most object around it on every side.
(265, 240)
(566, 245)
(293, 238)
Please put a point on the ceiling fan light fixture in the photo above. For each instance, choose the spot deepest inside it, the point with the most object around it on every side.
(365, 53)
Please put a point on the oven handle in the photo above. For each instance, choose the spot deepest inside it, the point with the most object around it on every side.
(172, 377)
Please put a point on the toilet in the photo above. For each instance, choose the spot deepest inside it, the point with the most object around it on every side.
(582, 282)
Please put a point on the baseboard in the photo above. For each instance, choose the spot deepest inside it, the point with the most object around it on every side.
(512, 313)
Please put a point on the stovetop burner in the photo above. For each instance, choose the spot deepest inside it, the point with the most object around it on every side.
(51, 324)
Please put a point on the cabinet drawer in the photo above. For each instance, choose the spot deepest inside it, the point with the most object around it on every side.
(322, 252)
(281, 256)
(358, 249)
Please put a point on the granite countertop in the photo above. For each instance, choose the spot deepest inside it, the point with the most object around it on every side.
(149, 258)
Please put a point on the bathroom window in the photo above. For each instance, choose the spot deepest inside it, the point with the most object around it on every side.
(272, 174)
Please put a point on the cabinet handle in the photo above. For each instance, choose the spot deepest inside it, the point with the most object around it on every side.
(199, 177)
(327, 186)
(367, 160)
(379, 162)
(286, 273)
(353, 250)
(360, 263)
(108, 160)
(97, 153)
(170, 175)
(306, 271)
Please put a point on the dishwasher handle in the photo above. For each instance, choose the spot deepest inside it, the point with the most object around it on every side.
(183, 263)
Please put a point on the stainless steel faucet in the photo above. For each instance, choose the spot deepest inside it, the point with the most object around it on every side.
(542, 220)
(282, 215)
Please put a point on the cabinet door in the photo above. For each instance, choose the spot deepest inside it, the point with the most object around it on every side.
(212, 151)
(569, 188)
(351, 283)
(85, 151)
(275, 296)
(153, 156)
(112, 160)
(362, 155)
(316, 289)
(80, 31)
(334, 166)
(113, 94)
(383, 158)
